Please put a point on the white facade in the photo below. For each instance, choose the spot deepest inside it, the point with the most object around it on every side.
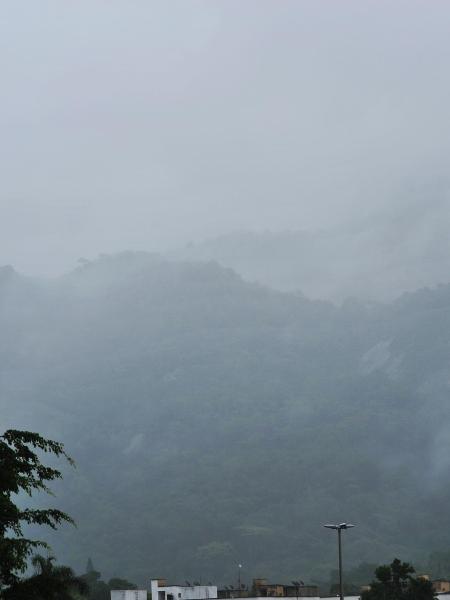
(128, 594)
(301, 598)
(306, 597)
(182, 592)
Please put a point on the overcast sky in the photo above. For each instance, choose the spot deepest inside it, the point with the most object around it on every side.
(145, 125)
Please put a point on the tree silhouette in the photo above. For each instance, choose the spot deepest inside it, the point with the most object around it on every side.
(22, 471)
(50, 582)
(396, 582)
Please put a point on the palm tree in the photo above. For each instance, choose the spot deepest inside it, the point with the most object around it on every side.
(50, 582)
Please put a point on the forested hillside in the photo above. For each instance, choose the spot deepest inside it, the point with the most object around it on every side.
(216, 421)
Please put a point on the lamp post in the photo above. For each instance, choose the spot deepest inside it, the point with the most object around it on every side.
(339, 529)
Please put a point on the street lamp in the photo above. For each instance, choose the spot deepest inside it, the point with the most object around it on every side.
(339, 528)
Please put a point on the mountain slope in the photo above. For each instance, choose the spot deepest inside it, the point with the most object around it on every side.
(216, 421)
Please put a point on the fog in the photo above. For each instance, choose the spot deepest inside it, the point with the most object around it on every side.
(235, 219)
(148, 125)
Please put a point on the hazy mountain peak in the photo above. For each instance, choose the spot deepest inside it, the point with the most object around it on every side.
(371, 259)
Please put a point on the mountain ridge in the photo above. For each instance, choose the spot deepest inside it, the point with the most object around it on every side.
(374, 259)
(227, 420)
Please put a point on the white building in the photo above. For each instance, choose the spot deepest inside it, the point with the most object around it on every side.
(162, 591)
(128, 594)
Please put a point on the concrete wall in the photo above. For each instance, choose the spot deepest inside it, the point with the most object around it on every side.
(441, 586)
(306, 598)
(128, 594)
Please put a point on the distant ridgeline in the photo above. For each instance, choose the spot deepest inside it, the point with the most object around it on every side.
(376, 259)
(214, 421)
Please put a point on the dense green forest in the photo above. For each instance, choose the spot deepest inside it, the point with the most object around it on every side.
(216, 421)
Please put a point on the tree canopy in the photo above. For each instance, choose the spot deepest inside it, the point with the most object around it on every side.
(99, 589)
(22, 471)
(396, 582)
(50, 582)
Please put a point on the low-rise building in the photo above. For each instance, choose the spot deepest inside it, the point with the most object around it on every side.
(230, 592)
(262, 588)
(161, 591)
(441, 586)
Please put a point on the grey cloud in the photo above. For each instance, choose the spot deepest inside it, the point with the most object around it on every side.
(145, 125)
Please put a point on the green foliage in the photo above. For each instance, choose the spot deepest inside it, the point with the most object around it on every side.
(396, 582)
(419, 589)
(50, 582)
(98, 589)
(22, 471)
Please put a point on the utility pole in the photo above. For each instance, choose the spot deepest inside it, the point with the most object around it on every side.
(341, 586)
(339, 529)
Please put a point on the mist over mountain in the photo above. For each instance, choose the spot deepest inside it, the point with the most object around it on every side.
(215, 420)
(377, 258)
(226, 286)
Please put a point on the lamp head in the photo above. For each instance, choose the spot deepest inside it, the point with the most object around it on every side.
(340, 526)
